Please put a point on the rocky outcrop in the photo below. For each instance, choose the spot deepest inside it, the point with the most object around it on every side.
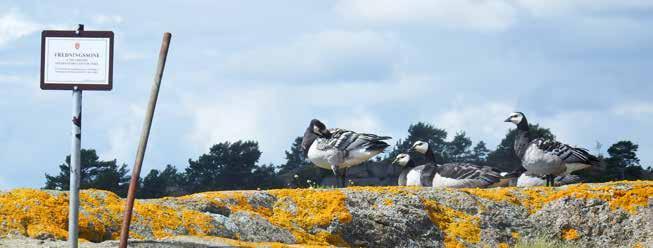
(618, 214)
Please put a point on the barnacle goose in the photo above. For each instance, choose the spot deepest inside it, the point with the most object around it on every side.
(547, 158)
(530, 180)
(338, 149)
(412, 175)
(462, 175)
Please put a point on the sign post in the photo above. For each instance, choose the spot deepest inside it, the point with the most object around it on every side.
(76, 60)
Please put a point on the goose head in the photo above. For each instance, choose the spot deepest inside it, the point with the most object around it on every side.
(318, 128)
(420, 146)
(402, 159)
(516, 118)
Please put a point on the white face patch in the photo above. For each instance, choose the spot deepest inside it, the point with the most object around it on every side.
(516, 118)
(421, 147)
(402, 159)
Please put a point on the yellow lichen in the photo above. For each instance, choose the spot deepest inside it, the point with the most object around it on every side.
(570, 234)
(387, 202)
(515, 235)
(619, 195)
(313, 208)
(457, 226)
(503, 245)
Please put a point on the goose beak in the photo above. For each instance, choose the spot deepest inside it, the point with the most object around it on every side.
(507, 120)
(394, 161)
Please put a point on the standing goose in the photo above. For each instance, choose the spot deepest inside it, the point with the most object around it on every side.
(547, 158)
(338, 149)
(412, 175)
(462, 175)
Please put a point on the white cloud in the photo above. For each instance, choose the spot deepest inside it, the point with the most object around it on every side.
(107, 19)
(14, 26)
(123, 136)
(470, 14)
(634, 109)
(480, 122)
(322, 56)
(544, 8)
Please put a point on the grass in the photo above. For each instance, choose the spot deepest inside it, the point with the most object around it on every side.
(545, 243)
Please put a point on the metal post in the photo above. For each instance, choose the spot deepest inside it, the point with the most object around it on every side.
(75, 165)
(136, 172)
(75, 168)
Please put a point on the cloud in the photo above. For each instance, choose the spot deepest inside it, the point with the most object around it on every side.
(107, 19)
(322, 56)
(480, 122)
(467, 14)
(123, 135)
(634, 109)
(14, 26)
(558, 8)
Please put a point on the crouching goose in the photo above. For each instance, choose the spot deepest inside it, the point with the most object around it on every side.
(530, 180)
(547, 158)
(338, 149)
(463, 175)
(412, 175)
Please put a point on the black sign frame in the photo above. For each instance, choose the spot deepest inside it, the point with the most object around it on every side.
(77, 34)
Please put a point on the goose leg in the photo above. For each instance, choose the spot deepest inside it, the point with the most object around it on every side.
(549, 180)
(344, 177)
(336, 173)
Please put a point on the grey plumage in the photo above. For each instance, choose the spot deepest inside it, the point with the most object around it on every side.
(544, 157)
(338, 149)
(474, 175)
(421, 175)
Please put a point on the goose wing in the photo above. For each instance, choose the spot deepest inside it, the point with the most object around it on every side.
(346, 140)
(469, 171)
(566, 153)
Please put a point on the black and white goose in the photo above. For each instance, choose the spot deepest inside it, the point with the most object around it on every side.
(547, 158)
(529, 180)
(338, 149)
(461, 175)
(412, 175)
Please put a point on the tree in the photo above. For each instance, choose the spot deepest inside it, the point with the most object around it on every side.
(458, 150)
(504, 156)
(479, 153)
(226, 166)
(623, 162)
(106, 175)
(164, 183)
(295, 158)
(424, 132)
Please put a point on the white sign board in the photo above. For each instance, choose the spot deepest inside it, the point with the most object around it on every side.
(83, 60)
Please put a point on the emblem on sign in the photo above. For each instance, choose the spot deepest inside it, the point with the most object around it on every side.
(76, 45)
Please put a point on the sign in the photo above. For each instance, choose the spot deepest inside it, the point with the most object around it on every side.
(76, 59)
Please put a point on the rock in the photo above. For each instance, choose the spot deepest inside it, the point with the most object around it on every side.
(253, 227)
(617, 214)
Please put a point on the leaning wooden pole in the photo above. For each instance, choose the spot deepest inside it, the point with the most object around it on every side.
(136, 172)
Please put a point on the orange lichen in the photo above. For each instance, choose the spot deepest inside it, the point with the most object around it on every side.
(570, 234)
(495, 194)
(387, 202)
(503, 245)
(515, 235)
(313, 208)
(457, 226)
(620, 195)
(33, 213)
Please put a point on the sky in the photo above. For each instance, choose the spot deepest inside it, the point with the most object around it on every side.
(261, 70)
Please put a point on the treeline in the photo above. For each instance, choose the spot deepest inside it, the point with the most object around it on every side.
(229, 166)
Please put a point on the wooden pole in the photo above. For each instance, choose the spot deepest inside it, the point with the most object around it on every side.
(136, 172)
